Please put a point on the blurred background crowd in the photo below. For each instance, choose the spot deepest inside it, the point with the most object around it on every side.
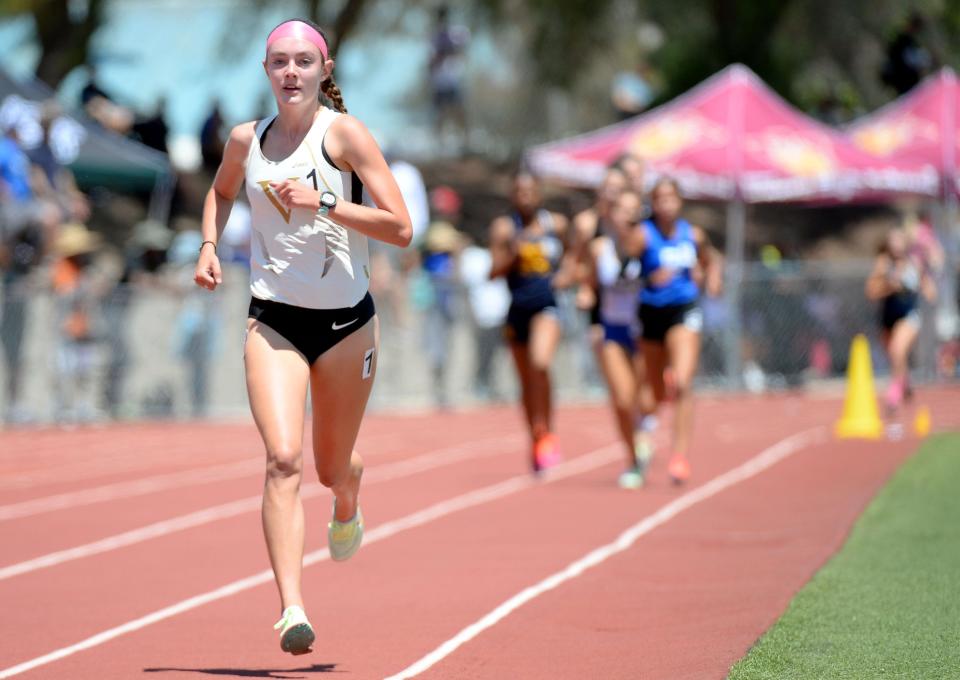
(114, 114)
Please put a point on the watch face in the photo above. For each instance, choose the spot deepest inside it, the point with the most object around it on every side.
(328, 199)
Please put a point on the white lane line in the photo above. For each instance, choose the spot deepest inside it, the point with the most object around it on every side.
(179, 480)
(112, 460)
(752, 467)
(589, 461)
(137, 487)
(382, 473)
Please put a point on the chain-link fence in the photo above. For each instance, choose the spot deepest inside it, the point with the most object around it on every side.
(165, 349)
(797, 322)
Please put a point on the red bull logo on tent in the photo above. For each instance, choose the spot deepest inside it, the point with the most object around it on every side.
(670, 135)
(794, 155)
(885, 137)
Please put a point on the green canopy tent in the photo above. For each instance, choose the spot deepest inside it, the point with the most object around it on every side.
(97, 157)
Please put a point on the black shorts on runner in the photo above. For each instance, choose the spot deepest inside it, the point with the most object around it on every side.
(656, 321)
(312, 331)
(517, 327)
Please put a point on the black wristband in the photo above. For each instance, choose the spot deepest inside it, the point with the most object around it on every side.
(211, 243)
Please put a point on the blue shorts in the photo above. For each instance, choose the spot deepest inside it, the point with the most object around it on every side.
(623, 335)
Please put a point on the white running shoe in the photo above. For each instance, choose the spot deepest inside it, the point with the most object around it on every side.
(296, 633)
(631, 479)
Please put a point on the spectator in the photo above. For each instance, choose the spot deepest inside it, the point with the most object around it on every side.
(907, 60)
(145, 256)
(101, 107)
(447, 72)
(924, 243)
(631, 91)
(75, 288)
(153, 130)
(235, 239)
(211, 139)
(488, 301)
(52, 181)
(391, 266)
(442, 245)
(21, 248)
(195, 327)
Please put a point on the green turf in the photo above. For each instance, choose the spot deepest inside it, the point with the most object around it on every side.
(888, 604)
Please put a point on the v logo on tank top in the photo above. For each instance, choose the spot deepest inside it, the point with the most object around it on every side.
(268, 192)
(299, 257)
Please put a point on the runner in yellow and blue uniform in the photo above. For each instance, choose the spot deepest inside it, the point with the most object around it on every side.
(527, 248)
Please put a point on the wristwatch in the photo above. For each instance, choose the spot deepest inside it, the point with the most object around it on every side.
(328, 201)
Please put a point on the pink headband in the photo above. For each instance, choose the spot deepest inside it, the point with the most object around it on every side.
(298, 29)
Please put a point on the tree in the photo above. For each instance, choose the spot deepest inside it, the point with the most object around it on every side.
(64, 36)
(341, 21)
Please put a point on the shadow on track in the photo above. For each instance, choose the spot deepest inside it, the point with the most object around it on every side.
(252, 672)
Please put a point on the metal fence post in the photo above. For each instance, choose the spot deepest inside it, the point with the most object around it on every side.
(733, 279)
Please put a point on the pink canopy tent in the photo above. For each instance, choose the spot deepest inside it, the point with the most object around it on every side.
(921, 128)
(731, 138)
(918, 128)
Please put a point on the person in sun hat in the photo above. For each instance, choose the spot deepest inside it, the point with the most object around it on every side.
(77, 290)
(311, 321)
(441, 250)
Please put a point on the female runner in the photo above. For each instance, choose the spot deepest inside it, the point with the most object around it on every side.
(898, 279)
(617, 278)
(311, 319)
(670, 250)
(527, 247)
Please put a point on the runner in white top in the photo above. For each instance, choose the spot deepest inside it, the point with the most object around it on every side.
(292, 246)
(617, 280)
(312, 321)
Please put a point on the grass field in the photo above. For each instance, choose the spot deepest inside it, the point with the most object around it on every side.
(888, 604)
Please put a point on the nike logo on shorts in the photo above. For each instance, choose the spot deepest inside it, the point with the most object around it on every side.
(337, 326)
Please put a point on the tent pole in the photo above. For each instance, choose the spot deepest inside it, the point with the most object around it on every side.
(733, 280)
(949, 279)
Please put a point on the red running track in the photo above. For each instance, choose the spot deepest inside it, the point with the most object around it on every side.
(138, 522)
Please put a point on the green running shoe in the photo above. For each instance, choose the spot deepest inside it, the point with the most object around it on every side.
(344, 538)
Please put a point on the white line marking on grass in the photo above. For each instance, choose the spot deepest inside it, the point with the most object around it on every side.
(589, 461)
(752, 467)
(382, 473)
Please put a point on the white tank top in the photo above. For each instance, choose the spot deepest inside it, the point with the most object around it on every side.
(297, 256)
(619, 286)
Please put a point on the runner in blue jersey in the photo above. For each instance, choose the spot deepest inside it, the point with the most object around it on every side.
(674, 256)
(527, 248)
(616, 277)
